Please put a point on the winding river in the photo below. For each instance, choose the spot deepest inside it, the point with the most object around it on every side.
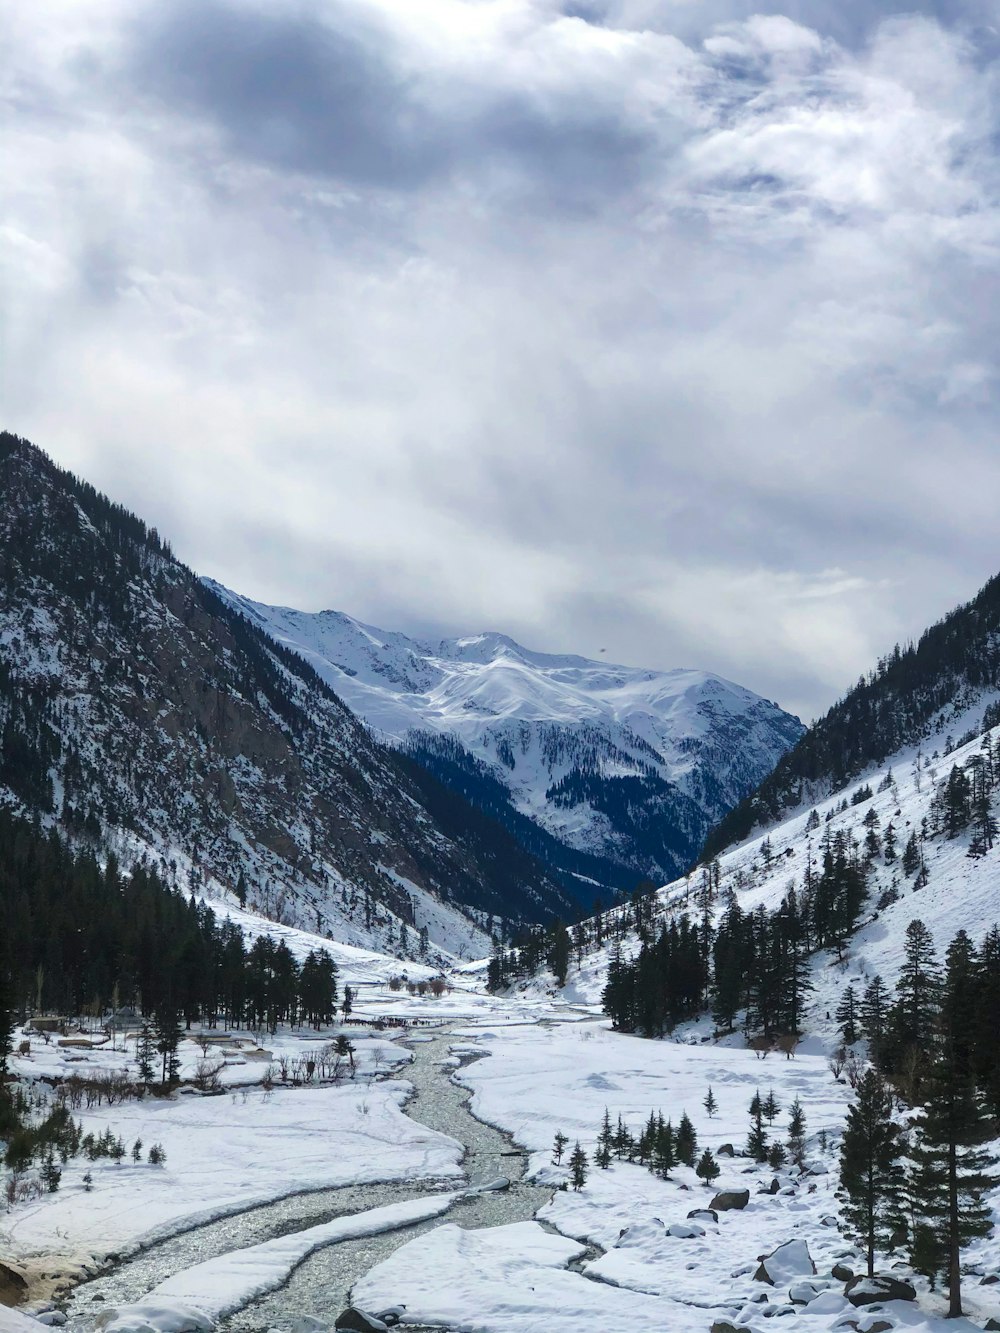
(321, 1285)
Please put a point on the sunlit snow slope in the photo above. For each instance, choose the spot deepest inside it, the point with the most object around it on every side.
(629, 764)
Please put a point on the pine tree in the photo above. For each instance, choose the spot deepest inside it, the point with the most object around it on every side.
(847, 1016)
(770, 1106)
(604, 1140)
(797, 1133)
(710, 1104)
(168, 1037)
(708, 1168)
(871, 1172)
(914, 1014)
(578, 1164)
(874, 1015)
(144, 1055)
(685, 1141)
(952, 1171)
(558, 1147)
(757, 1143)
(664, 1157)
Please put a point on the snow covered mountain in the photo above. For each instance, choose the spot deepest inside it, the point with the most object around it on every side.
(626, 765)
(899, 787)
(141, 713)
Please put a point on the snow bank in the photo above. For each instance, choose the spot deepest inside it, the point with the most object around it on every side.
(218, 1287)
(228, 1153)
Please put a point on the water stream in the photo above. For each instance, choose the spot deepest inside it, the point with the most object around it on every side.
(321, 1285)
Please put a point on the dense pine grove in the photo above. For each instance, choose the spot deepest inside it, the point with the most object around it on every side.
(893, 706)
(79, 937)
(932, 1046)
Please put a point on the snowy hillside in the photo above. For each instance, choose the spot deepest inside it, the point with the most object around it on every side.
(949, 890)
(627, 764)
(138, 709)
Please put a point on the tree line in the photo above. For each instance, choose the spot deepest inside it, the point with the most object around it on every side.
(79, 937)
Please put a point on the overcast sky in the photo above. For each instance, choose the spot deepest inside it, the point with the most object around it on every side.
(663, 327)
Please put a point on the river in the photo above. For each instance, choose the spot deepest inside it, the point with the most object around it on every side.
(321, 1285)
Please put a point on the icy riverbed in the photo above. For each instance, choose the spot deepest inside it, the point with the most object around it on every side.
(239, 1258)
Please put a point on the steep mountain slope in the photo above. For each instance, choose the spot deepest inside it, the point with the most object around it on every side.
(941, 685)
(627, 766)
(139, 709)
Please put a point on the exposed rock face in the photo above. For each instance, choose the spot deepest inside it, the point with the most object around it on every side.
(13, 1285)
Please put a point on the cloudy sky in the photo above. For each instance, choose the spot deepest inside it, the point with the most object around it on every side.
(664, 327)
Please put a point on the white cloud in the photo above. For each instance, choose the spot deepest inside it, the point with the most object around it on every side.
(619, 328)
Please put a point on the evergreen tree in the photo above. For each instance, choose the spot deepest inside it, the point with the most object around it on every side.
(168, 1037)
(797, 1133)
(559, 953)
(604, 1141)
(144, 1055)
(871, 1171)
(770, 1106)
(847, 1016)
(558, 1147)
(710, 1104)
(708, 1168)
(874, 1016)
(664, 1157)
(952, 1171)
(914, 1014)
(685, 1141)
(578, 1164)
(911, 856)
(757, 1142)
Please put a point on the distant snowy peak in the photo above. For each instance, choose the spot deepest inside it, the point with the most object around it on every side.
(396, 682)
(562, 733)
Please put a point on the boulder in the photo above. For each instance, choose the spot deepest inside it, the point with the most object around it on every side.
(989, 1280)
(878, 1326)
(685, 1231)
(392, 1315)
(702, 1215)
(992, 1325)
(13, 1285)
(841, 1272)
(786, 1263)
(726, 1200)
(805, 1290)
(726, 1150)
(354, 1320)
(641, 1234)
(863, 1290)
(724, 1326)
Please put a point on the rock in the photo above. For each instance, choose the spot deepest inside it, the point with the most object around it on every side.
(992, 1325)
(640, 1233)
(726, 1150)
(842, 1273)
(51, 1318)
(726, 1200)
(786, 1263)
(863, 1290)
(358, 1321)
(990, 1280)
(13, 1284)
(392, 1315)
(774, 1186)
(828, 1221)
(805, 1290)
(685, 1231)
(878, 1326)
(702, 1215)
(724, 1326)
(307, 1323)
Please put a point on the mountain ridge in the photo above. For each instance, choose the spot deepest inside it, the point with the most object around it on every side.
(135, 705)
(625, 764)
